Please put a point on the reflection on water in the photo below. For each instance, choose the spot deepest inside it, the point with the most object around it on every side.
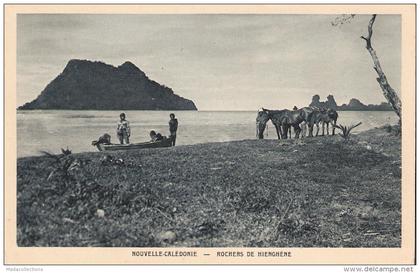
(51, 130)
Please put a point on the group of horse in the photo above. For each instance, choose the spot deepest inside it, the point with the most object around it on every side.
(299, 119)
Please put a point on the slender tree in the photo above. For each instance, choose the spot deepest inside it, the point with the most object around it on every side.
(387, 90)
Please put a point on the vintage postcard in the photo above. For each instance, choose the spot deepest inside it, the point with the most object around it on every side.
(209, 134)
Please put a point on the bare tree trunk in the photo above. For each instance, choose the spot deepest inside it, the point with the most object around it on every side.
(387, 90)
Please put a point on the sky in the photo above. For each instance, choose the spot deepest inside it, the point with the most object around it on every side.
(220, 61)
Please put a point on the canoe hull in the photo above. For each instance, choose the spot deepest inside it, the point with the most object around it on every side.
(134, 146)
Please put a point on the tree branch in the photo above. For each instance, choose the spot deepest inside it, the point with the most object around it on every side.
(370, 32)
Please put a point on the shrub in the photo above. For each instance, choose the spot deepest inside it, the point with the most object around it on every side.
(345, 131)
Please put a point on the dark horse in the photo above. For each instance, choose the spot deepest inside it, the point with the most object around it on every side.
(333, 116)
(283, 120)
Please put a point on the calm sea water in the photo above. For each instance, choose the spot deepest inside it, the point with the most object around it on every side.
(51, 130)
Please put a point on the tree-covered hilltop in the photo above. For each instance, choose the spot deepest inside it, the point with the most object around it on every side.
(353, 105)
(88, 85)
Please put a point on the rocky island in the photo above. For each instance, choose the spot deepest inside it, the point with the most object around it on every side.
(88, 85)
(353, 105)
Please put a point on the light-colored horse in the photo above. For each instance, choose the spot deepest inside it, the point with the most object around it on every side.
(323, 117)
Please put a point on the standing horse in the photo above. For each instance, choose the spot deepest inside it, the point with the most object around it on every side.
(333, 116)
(283, 120)
(327, 116)
(324, 117)
(263, 117)
(320, 117)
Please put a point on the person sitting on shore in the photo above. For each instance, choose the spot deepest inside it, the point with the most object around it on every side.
(123, 130)
(155, 136)
(104, 139)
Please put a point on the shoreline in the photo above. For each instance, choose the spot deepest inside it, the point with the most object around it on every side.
(315, 192)
(208, 143)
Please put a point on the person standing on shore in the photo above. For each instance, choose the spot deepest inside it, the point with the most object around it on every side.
(123, 130)
(173, 127)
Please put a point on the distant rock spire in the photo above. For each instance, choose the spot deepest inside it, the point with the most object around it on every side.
(354, 105)
(330, 103)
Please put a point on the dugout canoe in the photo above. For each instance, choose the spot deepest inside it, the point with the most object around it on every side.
(166, 142)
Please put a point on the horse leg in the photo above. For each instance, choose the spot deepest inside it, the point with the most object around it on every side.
(333, 127)
(285, 131)
(317, 129)
(311, 129)
(323, 128)
(303, 129)
(277, 131)
(297, 130)
(328, 128)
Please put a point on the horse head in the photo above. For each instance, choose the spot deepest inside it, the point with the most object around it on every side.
(262, 118)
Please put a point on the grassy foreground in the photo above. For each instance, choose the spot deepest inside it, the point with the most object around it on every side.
(315, 192)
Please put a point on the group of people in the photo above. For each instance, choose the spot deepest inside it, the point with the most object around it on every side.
(124, 130)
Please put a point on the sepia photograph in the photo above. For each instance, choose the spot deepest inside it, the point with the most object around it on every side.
(269, 131)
